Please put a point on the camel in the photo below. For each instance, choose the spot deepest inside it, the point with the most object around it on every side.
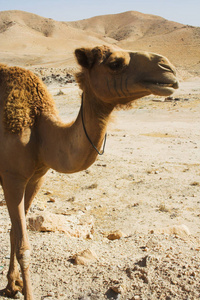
(34, 139)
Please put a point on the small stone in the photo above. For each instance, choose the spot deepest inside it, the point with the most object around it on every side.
(48, 193)
(92, 186)
(142, 262)
(88, 207)
(52, 200)
(89, 236)
(168, 99)
(119, 289)
(115, 235)
(50, 294)
(136, 297)
(18, 295)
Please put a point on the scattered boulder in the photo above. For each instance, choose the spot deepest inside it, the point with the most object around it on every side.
(85, 257)
(73, 225)
(177, 230)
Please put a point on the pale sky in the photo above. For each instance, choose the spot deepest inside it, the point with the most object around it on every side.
(183, 11)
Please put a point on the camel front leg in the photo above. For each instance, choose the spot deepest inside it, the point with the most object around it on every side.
(14, 187)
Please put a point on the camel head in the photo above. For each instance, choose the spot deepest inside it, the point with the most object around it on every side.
(119, 76)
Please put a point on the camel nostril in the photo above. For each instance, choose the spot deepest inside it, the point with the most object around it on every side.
(167, 68)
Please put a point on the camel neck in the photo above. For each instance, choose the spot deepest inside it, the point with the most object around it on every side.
(65, 147)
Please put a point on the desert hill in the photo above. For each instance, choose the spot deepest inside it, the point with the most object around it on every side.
(28, 39)
(128, 25)
(138, 31)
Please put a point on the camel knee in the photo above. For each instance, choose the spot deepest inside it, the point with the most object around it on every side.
(24, 259)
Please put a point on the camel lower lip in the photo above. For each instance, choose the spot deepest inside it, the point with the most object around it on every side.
(170, 85)
(162, 85)
(165, 84)
(161, 89)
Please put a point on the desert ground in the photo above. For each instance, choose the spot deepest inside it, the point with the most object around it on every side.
(136, 210)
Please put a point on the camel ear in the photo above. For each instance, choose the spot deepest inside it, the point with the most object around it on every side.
(84, 57)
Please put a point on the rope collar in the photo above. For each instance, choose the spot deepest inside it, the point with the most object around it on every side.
(104, 143)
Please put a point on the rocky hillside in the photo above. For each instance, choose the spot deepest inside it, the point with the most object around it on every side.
(28, 39)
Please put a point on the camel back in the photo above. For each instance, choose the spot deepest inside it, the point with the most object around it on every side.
(24, 97)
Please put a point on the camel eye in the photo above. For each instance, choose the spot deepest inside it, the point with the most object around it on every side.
(116, 65)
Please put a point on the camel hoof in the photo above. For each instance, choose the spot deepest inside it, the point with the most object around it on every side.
(11, 294)
(15, 291)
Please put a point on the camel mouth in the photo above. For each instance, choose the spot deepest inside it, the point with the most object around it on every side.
(162, 88)
(174, 85)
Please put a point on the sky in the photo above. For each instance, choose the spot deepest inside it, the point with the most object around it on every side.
(183, 11)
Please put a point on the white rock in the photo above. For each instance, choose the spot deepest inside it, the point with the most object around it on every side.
(178, 230)
(85, 257)
(73, 225)
(119, 289)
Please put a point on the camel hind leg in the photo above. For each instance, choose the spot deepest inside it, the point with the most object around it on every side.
(33, 187)
(15, 283)
(14, 187)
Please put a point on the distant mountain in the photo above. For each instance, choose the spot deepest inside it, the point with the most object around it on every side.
(30, 39)
(138, 31)
(130, 25)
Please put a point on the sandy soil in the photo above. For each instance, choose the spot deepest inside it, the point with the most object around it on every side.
(148, 179)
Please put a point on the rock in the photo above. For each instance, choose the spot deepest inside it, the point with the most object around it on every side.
(73, 225)
(92, 186)
(142, 262)
(177, 230)
(85, 257)
(50, 294)
(119, 289)
(52, 200)
(18, 295)
(136, 297)
(115, 235)
(47, 193)
(169, 99)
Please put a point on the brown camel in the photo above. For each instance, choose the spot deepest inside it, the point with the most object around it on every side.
(33, 138)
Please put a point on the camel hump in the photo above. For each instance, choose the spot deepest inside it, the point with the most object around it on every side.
(24, 97)
(2, 66)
